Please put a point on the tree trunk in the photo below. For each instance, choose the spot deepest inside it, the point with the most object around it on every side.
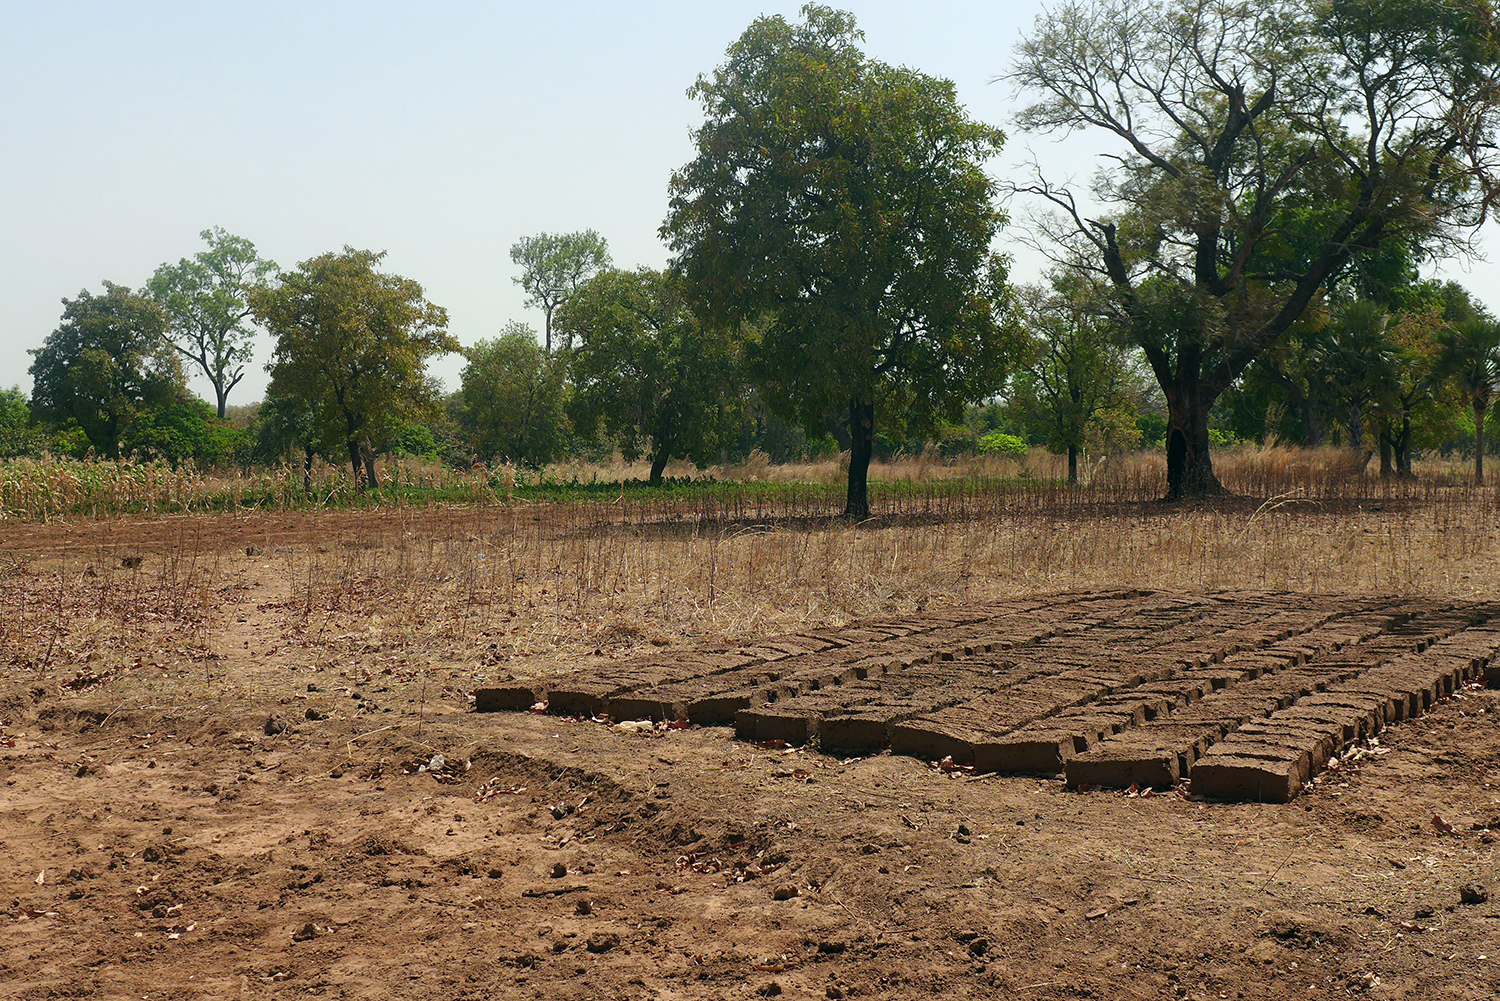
(354, 460)
(862, 446)
(307, 470)
(223, 396)
(1387, 470)
(1479, 408)
(1190, 468)
(1072, 465)
(658, 465)
(371, 480)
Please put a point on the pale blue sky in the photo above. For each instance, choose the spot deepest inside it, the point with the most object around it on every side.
(440, 132)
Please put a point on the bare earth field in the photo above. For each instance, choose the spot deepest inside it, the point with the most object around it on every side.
(219, 739)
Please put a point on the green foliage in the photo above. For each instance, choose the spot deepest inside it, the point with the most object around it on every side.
(1000, 443)
(553, 266)
(352, 344)
(183, 431)
(105, 363)
(206, 299)
(841, 203)
(17, 434)
(647, 371)
(512, 399)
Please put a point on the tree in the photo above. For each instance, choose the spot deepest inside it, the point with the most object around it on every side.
(1407, 398)
(16, 434)
(513, 395)
(206, 299)
(105, 363)
(1075, 387)
(285, 425)
(553, 265)
(353, 343)
(1263, 149)
(1357, 360)
(1471, 358)
(843, 202)
(647, 370)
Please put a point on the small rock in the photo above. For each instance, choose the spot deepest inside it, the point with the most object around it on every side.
(963, 830)
(304, 934)
(584, 907)
(1424, 911)
(275, 726)
(835, 992)
(158, 911)
(869, 849)
(313, 686)
(786, 891)
(559, 812)
(1473, 893)
(315, 714)
(253, 550)
(337, 773)
(497, 874)
(602, 941)
(967, 935)
(559, 871)
(1096, 914)
(979, 946)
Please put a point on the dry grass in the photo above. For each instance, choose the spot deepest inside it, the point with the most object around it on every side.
(462, 594)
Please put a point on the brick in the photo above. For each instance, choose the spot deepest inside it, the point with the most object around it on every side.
(510, 698)
(1227, 776)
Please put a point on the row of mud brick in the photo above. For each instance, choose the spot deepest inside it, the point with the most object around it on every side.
(1249, 694)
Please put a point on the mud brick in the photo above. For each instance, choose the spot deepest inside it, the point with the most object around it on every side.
(947, 733)
(1374, 710)
(1323, 741)
(509, 698)
(1030, 751)
(580, 700)
(866, 730)
(795, 726)
(643, 706)
(1352, 723)
(1136, 759)
(1263, 779)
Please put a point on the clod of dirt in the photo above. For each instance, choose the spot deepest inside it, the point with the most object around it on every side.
(275, 726)
(497, 874)
(583, 907)
(835, 993)
(305, 933)
(559, 871)
(771, 990)
(785, 891)
(131, 562)
(831, 947)
(253, 550)
(1473, 893)
(602, 941)
(869, 849)
(1424, 911)
(979, 946)
(315, 714)
(963, 830)
(1096, 914)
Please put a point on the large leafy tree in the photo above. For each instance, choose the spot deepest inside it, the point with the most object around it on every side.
(353, 343)
(513, 395)
(553, 265)
(1262, 150)
(841, 203)
(648, 371)
(207, 301)
(105, 363)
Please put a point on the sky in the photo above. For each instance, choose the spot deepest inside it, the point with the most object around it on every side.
(440, 132)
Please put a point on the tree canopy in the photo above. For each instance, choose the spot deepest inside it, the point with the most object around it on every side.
(1263, 150)
(553, 265)
(105, 363)
(513, 394)
(841, 204)
(206, 298)
(353, 343)
(647, 371)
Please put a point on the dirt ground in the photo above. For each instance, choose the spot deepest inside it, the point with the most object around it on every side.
(202, 799)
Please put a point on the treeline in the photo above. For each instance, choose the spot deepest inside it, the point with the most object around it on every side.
(1279, 175)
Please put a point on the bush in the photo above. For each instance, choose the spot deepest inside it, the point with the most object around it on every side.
(1000, 443)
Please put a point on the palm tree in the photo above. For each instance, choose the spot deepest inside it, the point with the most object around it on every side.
(1471, 358)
